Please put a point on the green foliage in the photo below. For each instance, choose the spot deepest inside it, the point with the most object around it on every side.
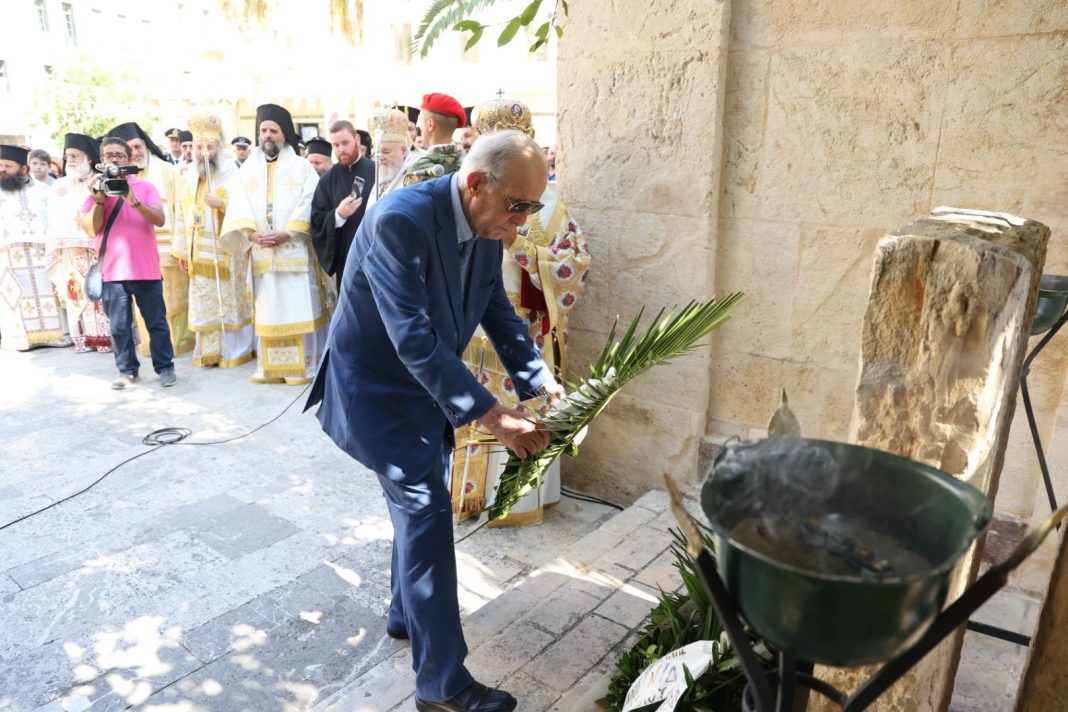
(458, 15)
(678, 620)
(672, 333)
(86, 98)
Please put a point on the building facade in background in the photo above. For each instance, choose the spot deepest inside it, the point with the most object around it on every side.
(170, 60)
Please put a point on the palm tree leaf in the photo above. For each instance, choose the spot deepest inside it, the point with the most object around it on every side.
(673, 332)
(443, 15)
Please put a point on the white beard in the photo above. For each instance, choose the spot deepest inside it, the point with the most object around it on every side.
(386, 173)
(80, 171)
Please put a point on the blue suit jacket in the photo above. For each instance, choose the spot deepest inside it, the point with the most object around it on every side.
(391, 381)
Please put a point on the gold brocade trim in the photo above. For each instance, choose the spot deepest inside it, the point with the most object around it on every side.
(300, 226)
(221, 362)
(207, 269)
(298, 381)
(40, 337)
(215, 327)
(283, 264)
(290, 368)
(520, 519)
(256, 379)
(243, 224)
(299, 329)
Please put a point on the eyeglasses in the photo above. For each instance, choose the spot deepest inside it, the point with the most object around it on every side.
(109, 156)
(524, 206)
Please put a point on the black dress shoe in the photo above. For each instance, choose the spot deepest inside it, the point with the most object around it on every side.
(397, 633)
(476, 698)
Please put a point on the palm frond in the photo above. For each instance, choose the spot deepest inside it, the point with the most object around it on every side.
(443, 15)
(672, 333)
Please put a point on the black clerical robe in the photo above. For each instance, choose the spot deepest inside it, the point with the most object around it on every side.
(331, 242)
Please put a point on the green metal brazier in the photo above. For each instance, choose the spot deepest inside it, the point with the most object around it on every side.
(836, 553)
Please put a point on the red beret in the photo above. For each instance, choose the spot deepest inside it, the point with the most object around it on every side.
(445, 105)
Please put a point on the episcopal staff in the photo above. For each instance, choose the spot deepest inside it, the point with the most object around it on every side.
(340, 200)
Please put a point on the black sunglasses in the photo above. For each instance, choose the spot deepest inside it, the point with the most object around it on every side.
(524, 206)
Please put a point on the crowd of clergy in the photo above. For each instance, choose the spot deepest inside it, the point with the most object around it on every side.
(252, 247)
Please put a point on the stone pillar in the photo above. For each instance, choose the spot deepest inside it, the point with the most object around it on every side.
(640, 136)
(1045, 682)
(944, 336)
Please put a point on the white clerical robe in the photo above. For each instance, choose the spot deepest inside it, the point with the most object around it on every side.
(69, 253)
(30, 314)
(292, 296)
(220, 313)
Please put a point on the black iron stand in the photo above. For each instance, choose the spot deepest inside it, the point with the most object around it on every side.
(991, 630)
(784, 689)
(1031, 411)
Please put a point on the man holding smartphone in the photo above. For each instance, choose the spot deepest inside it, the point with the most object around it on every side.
(340, 199)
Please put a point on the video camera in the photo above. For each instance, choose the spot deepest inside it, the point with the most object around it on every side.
(114, 181)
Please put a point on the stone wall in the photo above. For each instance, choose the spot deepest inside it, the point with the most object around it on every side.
(765, 146)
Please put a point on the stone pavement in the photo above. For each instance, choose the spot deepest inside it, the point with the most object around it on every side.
(253, 575)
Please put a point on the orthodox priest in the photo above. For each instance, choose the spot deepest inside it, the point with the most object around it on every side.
(155, 169)
(269, 214)
(439, 118)
(389, 130)
(219, 310)
(30, 314)
(319, 152)
(545, 268)
(340, 200)
(70, 251)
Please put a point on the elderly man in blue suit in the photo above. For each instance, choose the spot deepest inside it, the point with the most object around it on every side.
(423, 272)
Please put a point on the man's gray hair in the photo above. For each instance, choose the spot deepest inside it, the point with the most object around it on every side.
(492, 153)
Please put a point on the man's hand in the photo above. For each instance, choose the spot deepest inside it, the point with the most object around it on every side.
(183, 264)
(270, 239)
(214, 202)
(348, 206)
(517, 431)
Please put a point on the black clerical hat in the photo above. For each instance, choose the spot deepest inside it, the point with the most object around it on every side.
(412, 112)
(319, 145)
(185, 136)
(467, 111)
(87, 144)
(365, 139)
(241, 141)
(18, 154)
(281, 116)
(131, 130)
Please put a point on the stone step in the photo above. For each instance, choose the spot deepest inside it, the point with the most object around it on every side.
(553, 638)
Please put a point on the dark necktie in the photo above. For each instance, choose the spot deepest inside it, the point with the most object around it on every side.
(465, 264)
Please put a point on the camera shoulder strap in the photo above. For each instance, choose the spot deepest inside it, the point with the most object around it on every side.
(107, 229)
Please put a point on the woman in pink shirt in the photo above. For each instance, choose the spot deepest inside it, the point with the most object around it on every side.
(131, 268)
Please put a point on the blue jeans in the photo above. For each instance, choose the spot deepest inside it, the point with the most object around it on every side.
(148, 293)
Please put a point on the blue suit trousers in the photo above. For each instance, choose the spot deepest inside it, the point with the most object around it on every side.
(423, 580)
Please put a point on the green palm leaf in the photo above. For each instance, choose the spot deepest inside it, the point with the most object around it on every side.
(443, 15)
(672, 333)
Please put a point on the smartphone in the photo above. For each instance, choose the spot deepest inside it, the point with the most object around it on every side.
(357, 187)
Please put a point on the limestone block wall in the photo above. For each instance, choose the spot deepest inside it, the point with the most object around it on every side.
(638, 163)
(837, 122)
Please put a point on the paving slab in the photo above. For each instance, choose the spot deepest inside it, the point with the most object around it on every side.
(247, 575)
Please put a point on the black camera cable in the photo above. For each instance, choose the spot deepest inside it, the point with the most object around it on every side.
(157, 439)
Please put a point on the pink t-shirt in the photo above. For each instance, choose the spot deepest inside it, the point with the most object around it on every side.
(131, 251)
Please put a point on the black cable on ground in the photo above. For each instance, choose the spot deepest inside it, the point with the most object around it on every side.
(582, 497)
(157, 439)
